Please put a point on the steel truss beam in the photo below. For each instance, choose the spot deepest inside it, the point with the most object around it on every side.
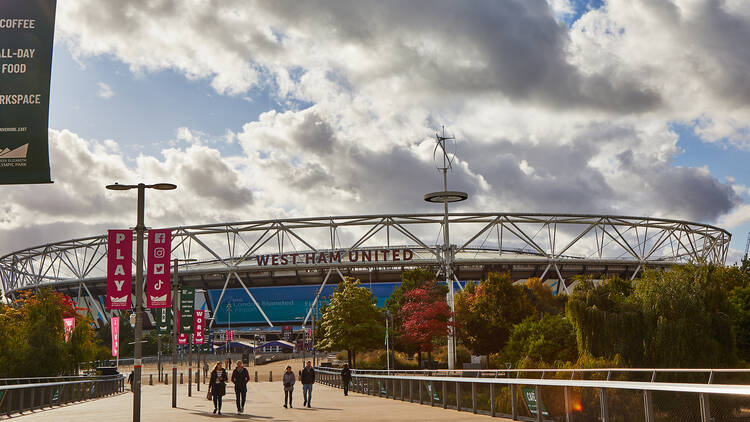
(588, 239)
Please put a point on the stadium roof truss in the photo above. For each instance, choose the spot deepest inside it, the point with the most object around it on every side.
(549, 246)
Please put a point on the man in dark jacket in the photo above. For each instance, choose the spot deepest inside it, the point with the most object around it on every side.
(346, 378)
(308, 379)
(240, 377)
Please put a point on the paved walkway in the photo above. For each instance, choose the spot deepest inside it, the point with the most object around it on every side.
(264, 403)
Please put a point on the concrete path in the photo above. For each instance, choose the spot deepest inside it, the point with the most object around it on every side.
(264, 403)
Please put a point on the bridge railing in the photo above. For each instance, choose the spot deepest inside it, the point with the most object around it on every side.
(560, 396)
(34, 393)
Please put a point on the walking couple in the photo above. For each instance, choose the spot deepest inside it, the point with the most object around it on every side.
(307, 377)
(217, 385)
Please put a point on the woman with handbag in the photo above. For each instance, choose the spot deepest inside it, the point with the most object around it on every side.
(288, 380)
(217, 385)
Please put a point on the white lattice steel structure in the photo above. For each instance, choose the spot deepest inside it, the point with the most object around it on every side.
(551, 246)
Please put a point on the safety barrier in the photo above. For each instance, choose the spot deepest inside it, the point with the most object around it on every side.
(560, 396)
(32, 395)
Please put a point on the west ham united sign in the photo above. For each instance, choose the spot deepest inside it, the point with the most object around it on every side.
(26, 31)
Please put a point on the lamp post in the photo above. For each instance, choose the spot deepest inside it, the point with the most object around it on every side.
(445, 197)
(139, 229)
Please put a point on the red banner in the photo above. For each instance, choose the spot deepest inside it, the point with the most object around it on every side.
(158, 290)
(115, 335)
(182, 339)
(119, 269)
(199, 325)
(69, 324)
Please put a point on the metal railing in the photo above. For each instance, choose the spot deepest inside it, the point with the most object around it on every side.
(561, 397)
(35, 394)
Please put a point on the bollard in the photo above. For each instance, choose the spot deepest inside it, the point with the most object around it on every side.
(198, 380)
(181, 374)
(270, 376)
(151, 379)
(256, 376)
(166, 379)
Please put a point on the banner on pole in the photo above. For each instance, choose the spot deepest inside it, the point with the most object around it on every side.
(163, 317)
(158, 284)
(115, 335)
(200, 326)
(27, 28)
(187, 306)
(69, 324)
(182, 339)
(119, 269)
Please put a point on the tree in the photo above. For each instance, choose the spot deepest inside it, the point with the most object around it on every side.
(549, 341)
(43, 331)
(351, 321)
(424, 317)
(605, 322)
(486, 313)
(411, 279)
(686, 316)
(677, 318)
(82, 346)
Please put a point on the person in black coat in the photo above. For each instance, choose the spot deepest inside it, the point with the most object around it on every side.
(346, 378)
(307, 377)
(217, 385)
(240, 377)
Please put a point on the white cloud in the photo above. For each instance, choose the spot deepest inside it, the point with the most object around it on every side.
(586, 111)
(105, 91)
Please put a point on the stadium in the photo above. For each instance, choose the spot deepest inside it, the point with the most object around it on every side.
(273, 272)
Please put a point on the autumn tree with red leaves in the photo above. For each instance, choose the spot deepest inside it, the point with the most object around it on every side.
(425, 317)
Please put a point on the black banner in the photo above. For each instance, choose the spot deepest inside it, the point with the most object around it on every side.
(27, 29)
(187, 306)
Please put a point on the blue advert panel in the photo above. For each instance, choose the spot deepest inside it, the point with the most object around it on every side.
(281, 304)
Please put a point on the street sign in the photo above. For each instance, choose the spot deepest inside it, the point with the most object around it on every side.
(529, 396)
(187, 306)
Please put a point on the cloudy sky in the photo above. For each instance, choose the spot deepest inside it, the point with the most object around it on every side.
(298, 109)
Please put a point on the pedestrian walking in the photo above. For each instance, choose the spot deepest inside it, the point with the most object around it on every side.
(346, 378)
(205, 369)
(130, 380)
(217, 385)
(288, 380)
(240, 377)
(307, 377)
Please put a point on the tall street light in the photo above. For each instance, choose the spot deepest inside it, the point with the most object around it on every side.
(139, 229)
(445, 197)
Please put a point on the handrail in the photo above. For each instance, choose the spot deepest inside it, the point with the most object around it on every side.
(733, 389)
(730, 370)
(565, 398)
(54, 384)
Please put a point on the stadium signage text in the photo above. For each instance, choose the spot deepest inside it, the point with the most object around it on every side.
(336, 257)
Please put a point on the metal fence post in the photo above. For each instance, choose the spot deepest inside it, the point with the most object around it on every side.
(648, 406)
(538, 393)
(605, 408)
(411, 392)
(445, 394)
(402, 389)
(419, 386)
(513, 402)
(458, 396)
(474, 396)
(705, 408)
(492, 400)
(567, 405)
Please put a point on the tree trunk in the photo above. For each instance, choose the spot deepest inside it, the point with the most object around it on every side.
(349, 358)
(429, 359)
(419, 359)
